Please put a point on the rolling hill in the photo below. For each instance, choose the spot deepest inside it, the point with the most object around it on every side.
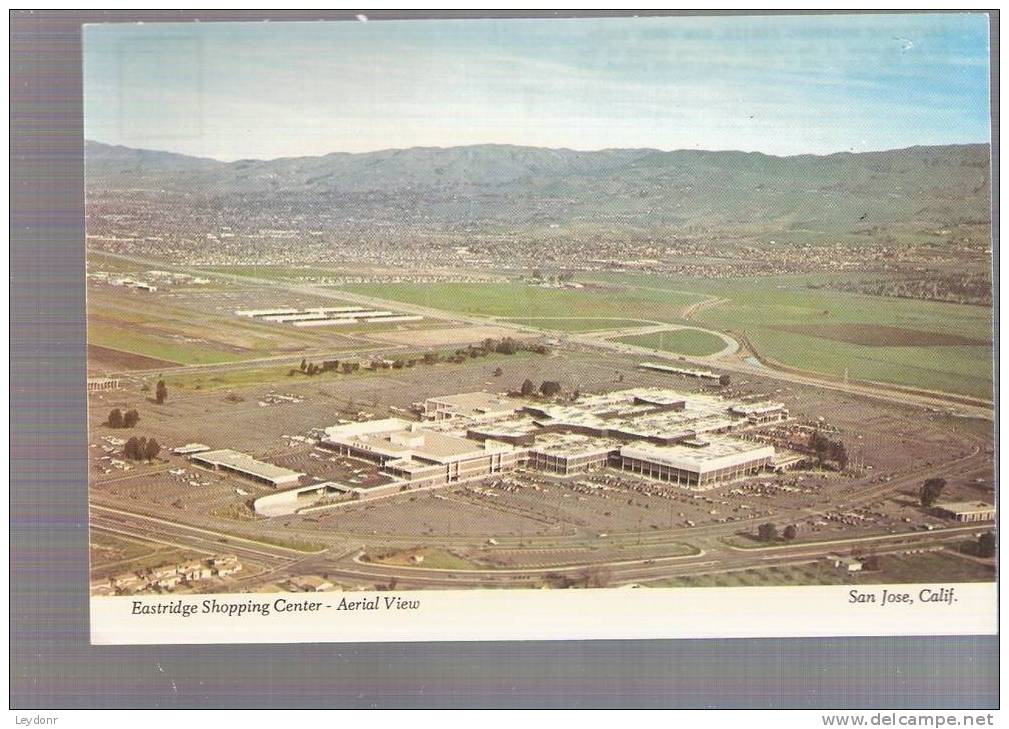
(501, 185)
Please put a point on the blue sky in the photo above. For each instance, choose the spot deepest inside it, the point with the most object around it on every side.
(780, 85)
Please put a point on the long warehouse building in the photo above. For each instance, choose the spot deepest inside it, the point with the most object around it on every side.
(245, 465)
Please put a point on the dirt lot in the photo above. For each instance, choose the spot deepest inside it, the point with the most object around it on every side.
(105, 359)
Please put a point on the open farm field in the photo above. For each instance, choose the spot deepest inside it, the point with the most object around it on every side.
(173, 348)
(276, 273)
(446, 336)
(876, 335)
(578, 324)
(522, 301)
(106, 359)
(924, 344)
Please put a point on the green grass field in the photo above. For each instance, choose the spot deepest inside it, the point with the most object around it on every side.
(758, 309)
(233, 378)
(521, 301)
(163, 348)
(295, 544)
(276, 273)
(578, 324)
(758, 313)
(681, 341)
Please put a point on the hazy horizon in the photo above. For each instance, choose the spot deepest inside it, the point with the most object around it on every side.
(778, 85)
(527, 146)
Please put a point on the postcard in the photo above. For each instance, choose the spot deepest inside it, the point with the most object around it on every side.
(641, 327)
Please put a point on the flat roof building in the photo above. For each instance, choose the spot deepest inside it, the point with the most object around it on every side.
(569, 454)
(702, 374)
(319, 316)
(420, 456)
(469, 406)
(966, 511)
(246, 465)
(704, 465)
(761, 412)
(190, 448)
(652, 432)
(253, 313)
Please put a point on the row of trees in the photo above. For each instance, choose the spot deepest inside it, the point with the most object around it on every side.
(141, 449)
(485, 348)
(511, 346)
(329, 365)
(118, 419)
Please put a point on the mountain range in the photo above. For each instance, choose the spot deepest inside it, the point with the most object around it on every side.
(512, 186)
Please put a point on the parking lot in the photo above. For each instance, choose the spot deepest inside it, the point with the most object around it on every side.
(537, 519)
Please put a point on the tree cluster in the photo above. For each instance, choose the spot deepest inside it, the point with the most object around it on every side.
(548, 388)
(930, 491)
(119, 419)
(485, 348)
(828, 451)
(161, 393)
(141, 449)
(511, 346)
(311, 368)
(768, 532)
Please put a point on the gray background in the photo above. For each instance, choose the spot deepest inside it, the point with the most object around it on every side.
(52, 663)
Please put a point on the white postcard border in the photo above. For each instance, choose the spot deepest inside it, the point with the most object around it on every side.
(606, 614)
